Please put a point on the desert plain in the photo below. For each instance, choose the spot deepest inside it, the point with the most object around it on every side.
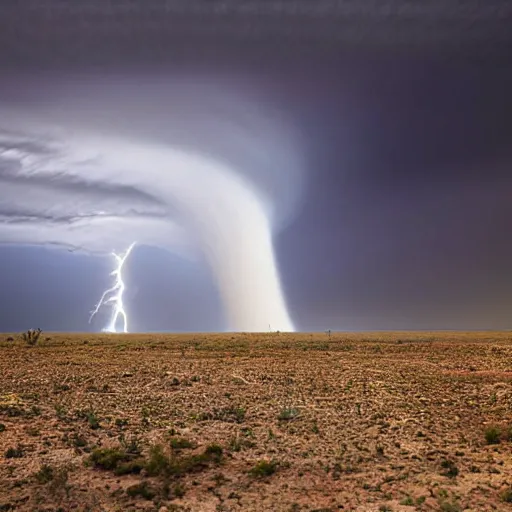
(366, 422)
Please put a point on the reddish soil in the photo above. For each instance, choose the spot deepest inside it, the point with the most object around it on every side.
(257, 422)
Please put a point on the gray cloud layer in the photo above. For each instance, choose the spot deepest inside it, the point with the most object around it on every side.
(102, 164)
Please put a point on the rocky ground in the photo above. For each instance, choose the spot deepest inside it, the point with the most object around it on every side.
(246, 422)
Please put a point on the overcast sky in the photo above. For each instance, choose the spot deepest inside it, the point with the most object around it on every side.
(384, 149)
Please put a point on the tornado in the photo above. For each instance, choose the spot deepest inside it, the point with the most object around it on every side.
(190, 166)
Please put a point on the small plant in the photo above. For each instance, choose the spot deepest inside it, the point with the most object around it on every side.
(447, 506)
(288, 413)
(506, 496)
(214, 451)
(131, 467)
(31, 337)
(407, 501)
(108, 458)
(492, 435)
(385, 508)
(2, 427)
(132, 446)
(79, 441)
(158, 462)
(14, 453)
(45, 474)
(60, 411)
(179, 490)
(59, 480)
(179, 443)
(264, 468)
(450, 469)
(143, 490)
(91, 419)
(235, 444)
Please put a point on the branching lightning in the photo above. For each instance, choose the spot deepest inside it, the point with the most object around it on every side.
(114, 296)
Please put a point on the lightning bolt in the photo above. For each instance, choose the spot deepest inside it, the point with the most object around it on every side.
(114, 296)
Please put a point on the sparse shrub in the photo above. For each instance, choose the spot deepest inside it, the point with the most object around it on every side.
(214, 451)
(121, 422)
(59, 480)
(2, 427)
(264, 468)
(45, 474)
(90, 417)
(108, 458)
(61, 387)
(385, 508)
(131, 467)
(492, 435)
(93, 421)
(158, 462)
(408, 501)
(143, 490)
(179, 443)
(506, 496)
(79, 441)
(31, 337)
(227, 414)
(450, 469)
(179, 490)
(14, 453)
(132, 446)
(60, 411)
(12, 411)
(235, 444)
(288, 413)
(507, 434)
(447, 506)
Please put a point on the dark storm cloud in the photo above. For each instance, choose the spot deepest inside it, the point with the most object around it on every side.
(62, 32)
(404, 113)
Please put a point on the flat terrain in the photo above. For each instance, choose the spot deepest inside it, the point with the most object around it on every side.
(257, 422)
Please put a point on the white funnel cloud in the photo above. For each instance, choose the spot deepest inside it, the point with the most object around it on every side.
(210, 181)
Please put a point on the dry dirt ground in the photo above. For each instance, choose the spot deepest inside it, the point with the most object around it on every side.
(267, 422)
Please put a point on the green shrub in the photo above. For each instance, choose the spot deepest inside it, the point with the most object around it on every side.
(108, 458)
(492, 435)
(179, 443)
(288, 413)
(143, 490)
(264, 468)
(14, 453)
